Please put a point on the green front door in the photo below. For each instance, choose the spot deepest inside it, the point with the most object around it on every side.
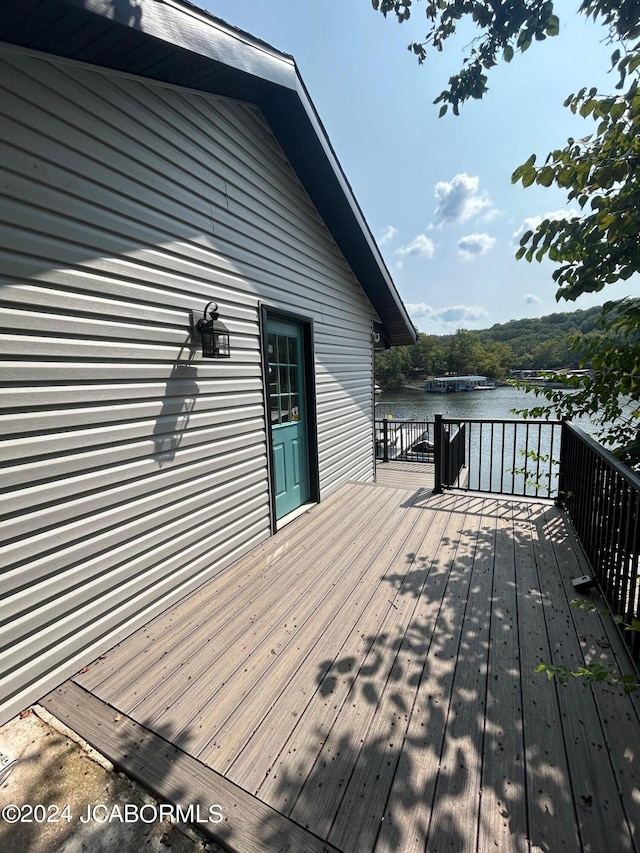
(287, 404)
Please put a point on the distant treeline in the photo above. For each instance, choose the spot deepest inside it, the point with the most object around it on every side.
(536, 343)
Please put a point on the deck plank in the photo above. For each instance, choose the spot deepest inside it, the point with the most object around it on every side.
(551, 812)
(370, 796)
(410, 801)
(405, 475)
(601, 820)
(371, 722)
(454, 816)
(619, 714)
(314, 618)
(503, 813)
(275, 631)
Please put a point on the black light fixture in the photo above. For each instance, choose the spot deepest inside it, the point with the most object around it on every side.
(215, 335)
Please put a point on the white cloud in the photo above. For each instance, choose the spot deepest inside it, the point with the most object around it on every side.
(421, 245)
(387, 235)
(459, 200)
(452, 315)
(462, 313)
(531, 299)
(532, 222)
(474, 245)
(420, 310)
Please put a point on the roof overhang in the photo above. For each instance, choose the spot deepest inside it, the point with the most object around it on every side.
(174, 42)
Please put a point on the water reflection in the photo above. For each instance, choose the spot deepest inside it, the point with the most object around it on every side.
(497, 403)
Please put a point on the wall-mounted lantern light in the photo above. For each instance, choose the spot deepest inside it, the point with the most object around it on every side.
(214, 333)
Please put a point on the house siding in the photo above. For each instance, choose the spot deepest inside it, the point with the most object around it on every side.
(133, 469)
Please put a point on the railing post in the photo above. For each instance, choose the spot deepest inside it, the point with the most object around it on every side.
(438, 445)
(562, 462)
(385, 440)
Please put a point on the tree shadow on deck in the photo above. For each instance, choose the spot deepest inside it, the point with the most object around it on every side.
(436, 731)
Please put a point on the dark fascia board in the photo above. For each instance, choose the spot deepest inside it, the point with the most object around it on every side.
(174, 42)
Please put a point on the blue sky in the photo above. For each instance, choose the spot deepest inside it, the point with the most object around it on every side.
(437, 193)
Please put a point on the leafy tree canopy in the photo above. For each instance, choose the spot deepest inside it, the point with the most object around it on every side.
(538, 343)
(600, 173)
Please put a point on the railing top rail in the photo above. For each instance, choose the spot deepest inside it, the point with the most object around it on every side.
(606, 455)
(403, 421)
(448, 420)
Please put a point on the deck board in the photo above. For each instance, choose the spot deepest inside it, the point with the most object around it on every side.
(503, 815)
(368, 674)
(458, 787)
(410, 801)
(405, 475)
(550, 807)
(590, 773)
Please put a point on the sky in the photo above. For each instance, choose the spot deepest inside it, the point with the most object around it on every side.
(437, 193)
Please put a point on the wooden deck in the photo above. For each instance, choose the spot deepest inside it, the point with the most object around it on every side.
(405, 475)
(365, 681)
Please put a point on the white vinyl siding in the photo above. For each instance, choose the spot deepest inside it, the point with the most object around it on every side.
(133, 469)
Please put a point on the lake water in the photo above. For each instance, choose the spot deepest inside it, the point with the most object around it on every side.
(499, 458)
(496, 403)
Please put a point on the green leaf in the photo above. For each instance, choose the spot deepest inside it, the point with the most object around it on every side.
(508, 53)
(553, 25)
(443, 110)
(545, 176)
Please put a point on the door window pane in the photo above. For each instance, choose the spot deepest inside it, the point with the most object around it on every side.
(293, 380)
(284, 378)
(282, 349)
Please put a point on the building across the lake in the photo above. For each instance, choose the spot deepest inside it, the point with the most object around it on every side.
(448, 384)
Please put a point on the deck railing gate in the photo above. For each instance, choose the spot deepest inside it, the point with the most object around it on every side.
(505, 457)
(449, 454)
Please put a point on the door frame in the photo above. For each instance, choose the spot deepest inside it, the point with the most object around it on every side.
(306, 325)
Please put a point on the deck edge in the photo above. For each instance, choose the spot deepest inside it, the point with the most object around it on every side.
(176, 777)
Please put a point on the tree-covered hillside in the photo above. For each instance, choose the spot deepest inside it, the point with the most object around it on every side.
(534, 343)
(543, 342)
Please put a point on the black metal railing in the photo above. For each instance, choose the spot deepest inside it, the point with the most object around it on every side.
(404, 440)
(512, 457)
(602, 499)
